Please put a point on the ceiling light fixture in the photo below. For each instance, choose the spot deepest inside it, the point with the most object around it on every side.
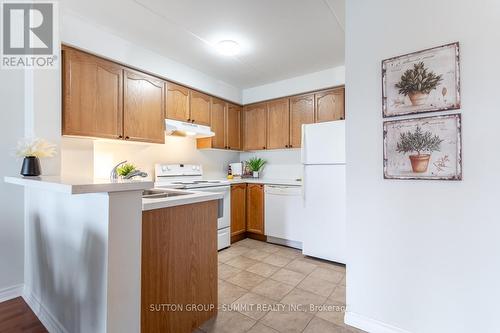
(228, 47)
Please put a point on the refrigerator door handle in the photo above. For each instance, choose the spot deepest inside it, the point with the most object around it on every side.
(304, 184)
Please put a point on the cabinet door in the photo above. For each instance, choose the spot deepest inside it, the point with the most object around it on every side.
(218, 123)
(233, 127)
(255, 208)
(177, 102)
(254, 134)
(278, 124)
(200, 108)
(92, 96)
(301, 112)
(143, 108)
(238, 209)
(330, 105)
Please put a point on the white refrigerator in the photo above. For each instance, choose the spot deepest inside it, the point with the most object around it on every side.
(324, 191)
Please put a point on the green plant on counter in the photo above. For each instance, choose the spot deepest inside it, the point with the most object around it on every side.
(125, 169)
(256, 164)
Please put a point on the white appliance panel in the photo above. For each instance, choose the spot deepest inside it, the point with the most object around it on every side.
(324, 233)
(283, 213)
(323, 143)
(223, 238)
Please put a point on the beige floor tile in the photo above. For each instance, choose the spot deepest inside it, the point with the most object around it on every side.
(317, 286)
(226, 271)
(288, 252)
(229, 292)
(301, 266)
(276, 260)
(287, 276)
(332, 312)
(307, 300)
(228, 322)
(260, 328)
(246, 280)
(270, 248)
(263, 269)
(237, 250)
(329, 275)
(318, 325)
(256, 254)
(253, 305)
(241, 262)
(286, 321)
(224, 256)
(272, 289)
(338, 295)
(249, 243)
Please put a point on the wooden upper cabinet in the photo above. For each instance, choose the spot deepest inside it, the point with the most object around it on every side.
(200, 108)
(255, 208)
(218, 123)
(92, 96)
(330, 105)
(238, 210)
(177, 102)
(254, 130)
(278, 124)
(233, 128)
(143, 108)
(301, 112)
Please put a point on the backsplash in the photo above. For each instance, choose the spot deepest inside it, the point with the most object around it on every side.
(281, 164)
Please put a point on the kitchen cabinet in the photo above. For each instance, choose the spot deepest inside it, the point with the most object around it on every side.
(238, 209)
(218, 124)
(301, 112)
(278, 124)
(92, 96)
(255, 208)
(233, 128)
(199, 105)
(254, 128)
(143, 107)
(329, 105)
(177, 102)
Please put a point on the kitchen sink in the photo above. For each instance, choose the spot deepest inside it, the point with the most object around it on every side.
(158, 194)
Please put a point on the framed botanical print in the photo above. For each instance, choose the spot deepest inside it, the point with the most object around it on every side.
(424, 81)
(423, 148)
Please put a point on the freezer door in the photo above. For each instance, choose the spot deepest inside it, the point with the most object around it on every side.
(324, 224)
(323, 143)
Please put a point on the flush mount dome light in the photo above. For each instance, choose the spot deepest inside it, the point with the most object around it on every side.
(228, 47)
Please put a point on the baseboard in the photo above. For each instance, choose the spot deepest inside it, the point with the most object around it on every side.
(48, 320)
(11, 292)
(370, 325)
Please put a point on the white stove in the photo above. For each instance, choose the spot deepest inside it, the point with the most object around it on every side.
(190, 176)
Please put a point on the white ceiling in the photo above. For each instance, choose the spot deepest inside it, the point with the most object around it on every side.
(280, 39)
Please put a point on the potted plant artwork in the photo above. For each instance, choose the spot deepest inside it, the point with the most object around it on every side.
(417, 83)
(255, 164)
(32, 150)
(419, 142)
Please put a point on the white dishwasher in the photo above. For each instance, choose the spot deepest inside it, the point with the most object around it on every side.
(283, 215)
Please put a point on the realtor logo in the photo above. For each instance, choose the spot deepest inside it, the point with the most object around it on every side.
(28, 34)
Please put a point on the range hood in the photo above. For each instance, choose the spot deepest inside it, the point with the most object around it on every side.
(180, 128)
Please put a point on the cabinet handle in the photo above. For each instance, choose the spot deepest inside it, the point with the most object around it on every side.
(192, 120)
(127, 137)
(120, 136)
(189, 120)
(228, 147)
(263, 147)
(290, 146)
(341, 118)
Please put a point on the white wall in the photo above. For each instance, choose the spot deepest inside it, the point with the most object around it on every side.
(423, 255)
(108, 153)
(88, 36)
(11, 196)
(318, 80)
(281, 164)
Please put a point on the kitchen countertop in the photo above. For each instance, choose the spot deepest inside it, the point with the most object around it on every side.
(266, 181)
(193, 197)
(79, 185)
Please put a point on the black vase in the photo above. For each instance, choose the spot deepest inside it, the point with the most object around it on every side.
(31, 166)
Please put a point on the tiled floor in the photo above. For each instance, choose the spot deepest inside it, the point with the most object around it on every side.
(270, 288)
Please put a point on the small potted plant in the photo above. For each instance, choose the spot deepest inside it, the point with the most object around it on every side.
(125, 169)
(419, 142)
(417, 83)
(255, 165)
(32, 150)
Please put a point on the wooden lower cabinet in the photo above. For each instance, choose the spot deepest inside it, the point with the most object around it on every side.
(238, 209)
(179, 266)
(255, 208)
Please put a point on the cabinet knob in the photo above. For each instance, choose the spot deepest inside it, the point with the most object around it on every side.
(290, 146)
(189, 120)
(228, 147)
(192, 120)
(127, 137)
(120, 136)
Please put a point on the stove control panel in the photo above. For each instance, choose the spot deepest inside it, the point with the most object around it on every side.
(178, 170)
